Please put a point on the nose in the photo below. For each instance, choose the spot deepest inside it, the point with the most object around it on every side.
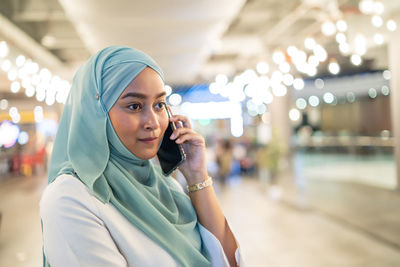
(150, 120)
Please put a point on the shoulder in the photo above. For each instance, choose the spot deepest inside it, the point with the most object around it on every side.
(65, 194)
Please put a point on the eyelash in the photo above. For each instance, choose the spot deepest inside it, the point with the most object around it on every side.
(162, 103)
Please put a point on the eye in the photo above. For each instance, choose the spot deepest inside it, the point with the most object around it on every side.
(134, 107)
(160, 105)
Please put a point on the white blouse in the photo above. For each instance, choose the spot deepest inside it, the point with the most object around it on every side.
(80, 230)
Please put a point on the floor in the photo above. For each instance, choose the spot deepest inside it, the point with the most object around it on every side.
(305, 222)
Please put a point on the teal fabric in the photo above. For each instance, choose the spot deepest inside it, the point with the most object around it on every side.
(88, 147)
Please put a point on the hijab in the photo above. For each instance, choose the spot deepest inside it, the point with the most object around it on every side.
(87, 147)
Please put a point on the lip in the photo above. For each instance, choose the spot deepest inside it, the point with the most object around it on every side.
(150, 140)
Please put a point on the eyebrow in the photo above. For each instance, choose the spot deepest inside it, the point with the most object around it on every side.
(141, 96)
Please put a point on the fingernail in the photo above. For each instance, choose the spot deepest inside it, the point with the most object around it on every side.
(172, 136)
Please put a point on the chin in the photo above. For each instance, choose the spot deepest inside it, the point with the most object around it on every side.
(145, 155)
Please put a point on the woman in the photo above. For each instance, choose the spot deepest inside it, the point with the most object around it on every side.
(106, 204)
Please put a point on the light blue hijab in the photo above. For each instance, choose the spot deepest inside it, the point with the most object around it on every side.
(87, 147)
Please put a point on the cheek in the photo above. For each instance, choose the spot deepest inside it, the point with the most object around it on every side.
(122, 124)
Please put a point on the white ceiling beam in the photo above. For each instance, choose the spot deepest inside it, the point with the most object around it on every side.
(40, 15)
(23, 41)
(284, 23)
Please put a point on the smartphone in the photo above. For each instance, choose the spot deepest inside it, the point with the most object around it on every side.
(170, 154)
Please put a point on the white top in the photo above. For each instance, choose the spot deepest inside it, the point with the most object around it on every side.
(80, 230)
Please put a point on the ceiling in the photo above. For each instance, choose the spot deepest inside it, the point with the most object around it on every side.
(193, 41)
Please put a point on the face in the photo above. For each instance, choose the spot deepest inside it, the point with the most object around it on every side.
(139, 117)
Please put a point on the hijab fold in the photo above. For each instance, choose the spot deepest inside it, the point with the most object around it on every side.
(87, 147)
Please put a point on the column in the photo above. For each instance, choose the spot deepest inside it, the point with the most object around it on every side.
(394, 67)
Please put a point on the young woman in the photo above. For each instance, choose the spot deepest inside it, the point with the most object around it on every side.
(108, 205)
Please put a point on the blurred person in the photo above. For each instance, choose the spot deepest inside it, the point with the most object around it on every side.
(224, 161)
(268, 159)
(106, 203)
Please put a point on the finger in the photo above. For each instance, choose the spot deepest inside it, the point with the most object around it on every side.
(180, 131)
(183, 119)
(190, 137)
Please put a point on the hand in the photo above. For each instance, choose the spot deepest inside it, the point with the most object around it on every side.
(194, 167)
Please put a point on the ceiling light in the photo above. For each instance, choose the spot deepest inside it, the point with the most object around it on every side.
(309, 43)
(341, 25)
(391, 25)
(385, 90)
(284, 67)
(301, 103)
(168, 89)
(278, 57)
(320, 53)
(48, 40)
(341, 38)
(291, 50)
(15, 86)
(328, 98)
(313, 101)
(30, 91)
(379, 8)
(313, 61)
(387, 75)
(20, 60)
(299, 57)
(280, 90)
(377, 21)
(175, 99)
(263, 68)
(294, 114)
(12, 75)
(319, 83)
(360, 43)
(13, 111)
(356, 60)
(334, 67)
(344, 48)
(378, 39)
(366, 6)
(328, 28)
(351, 97)
(6, 65)
(3, 49)
(311, 71)
(372, 93)
(298, 84)
(3, 104)
(288, 79)
(221, 79)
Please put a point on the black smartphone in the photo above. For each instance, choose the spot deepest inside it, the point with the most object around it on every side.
(170, 154)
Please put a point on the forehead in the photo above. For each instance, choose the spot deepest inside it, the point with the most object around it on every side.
(147, 83)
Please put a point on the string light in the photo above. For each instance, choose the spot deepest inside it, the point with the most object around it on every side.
(341, 25)
(301, 103)
(328, 28)
(263, 68)
(278, 57)
(391, 25)
(309, 43)
(298, 84)
(377, 21)
(366, 6)
(334, 67)
(356, 60)
(378, 39)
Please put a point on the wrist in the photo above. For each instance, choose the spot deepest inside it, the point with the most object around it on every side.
(197, 177)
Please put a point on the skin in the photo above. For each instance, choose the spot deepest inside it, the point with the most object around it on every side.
(138, 115)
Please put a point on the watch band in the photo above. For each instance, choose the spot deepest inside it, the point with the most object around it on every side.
(199, 186)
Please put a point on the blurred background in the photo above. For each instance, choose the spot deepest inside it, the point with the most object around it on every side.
(296, 100)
